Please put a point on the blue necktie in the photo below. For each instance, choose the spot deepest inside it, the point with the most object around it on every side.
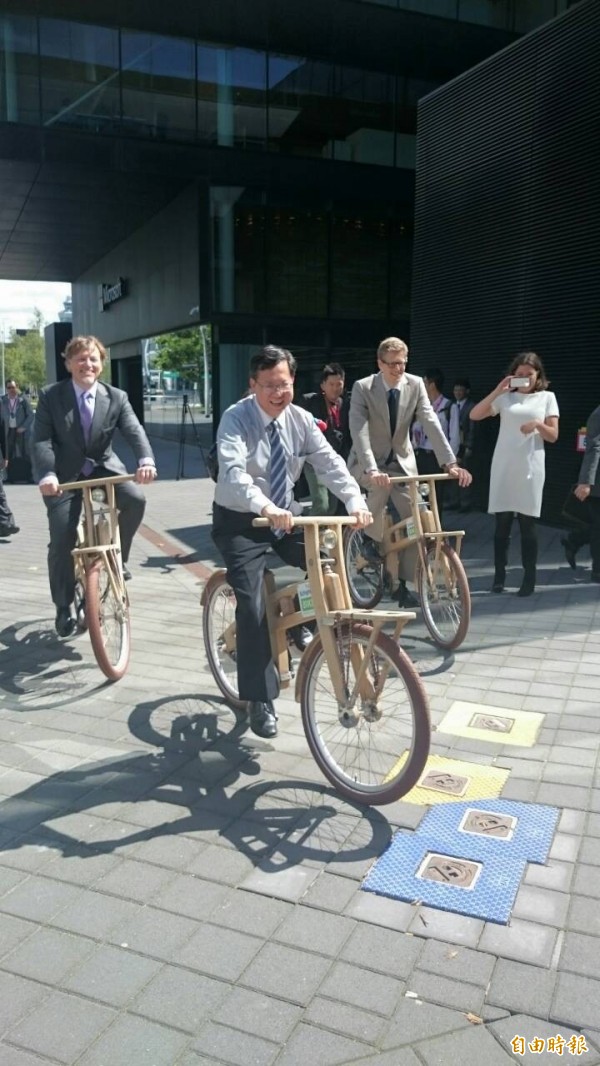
(277, 471)
(393, 409)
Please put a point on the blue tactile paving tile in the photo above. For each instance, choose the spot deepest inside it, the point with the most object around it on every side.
(503, 861)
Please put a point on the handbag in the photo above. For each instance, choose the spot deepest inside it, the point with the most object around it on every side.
(576, 511)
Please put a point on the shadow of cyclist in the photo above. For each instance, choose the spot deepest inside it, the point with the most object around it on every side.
(200, 752)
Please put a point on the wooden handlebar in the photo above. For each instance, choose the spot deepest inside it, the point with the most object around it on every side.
(317, 520)
(96, 482)
(421, 477)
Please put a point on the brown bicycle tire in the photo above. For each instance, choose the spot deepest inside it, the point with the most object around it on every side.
(404, 775)
(227, 689)
(94, 609)
(366, 602)
(462, 584)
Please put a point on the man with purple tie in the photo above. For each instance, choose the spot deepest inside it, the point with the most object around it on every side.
(72, 439)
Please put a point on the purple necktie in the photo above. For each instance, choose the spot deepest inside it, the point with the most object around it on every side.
(86, 415)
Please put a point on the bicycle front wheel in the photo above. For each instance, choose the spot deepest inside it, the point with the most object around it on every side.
(365, 578)
(107, 616)
(373, 749)
(443, 590)
(218, 628)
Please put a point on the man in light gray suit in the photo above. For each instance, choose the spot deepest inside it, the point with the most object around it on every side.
(72, 439)
(382, 409)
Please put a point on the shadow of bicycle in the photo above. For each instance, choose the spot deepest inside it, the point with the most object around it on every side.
(194, 778)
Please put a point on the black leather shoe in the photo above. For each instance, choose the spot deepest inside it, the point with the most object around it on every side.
(406, 598)
(65, 623)
(9, 530)
(569, 552)
(126, 573)
(302, 636)
(263, 720)
(595, 577)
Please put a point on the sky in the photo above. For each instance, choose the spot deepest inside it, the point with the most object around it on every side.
(19, 298)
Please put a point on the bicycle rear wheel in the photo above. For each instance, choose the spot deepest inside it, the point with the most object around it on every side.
(108, 621)
(443, 590)
(365, 579)
(218, 628)
(374, 751)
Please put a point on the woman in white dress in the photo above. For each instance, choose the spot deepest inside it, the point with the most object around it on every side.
(528, 420)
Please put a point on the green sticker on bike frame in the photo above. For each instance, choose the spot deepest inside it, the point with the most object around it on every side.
(305, 601)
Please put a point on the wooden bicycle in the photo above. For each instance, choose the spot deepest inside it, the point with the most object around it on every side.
(364, 709)
(101, 600)
(440, 579)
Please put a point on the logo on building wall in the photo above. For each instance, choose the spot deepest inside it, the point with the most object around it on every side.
(109, 294)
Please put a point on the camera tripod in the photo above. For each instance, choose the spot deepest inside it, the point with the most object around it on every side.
(186, 412)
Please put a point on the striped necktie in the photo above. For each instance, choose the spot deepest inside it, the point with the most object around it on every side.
(277, 471)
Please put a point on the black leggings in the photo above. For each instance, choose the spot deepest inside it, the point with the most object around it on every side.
(504, 521)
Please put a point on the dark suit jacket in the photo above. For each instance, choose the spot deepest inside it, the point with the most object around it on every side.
(590, 466)
(58, 443)
(339, 439)
(466, 427)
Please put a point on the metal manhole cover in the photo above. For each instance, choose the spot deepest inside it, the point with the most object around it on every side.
(493, 722)
(449, 871)
(441, 781)
(489, 824)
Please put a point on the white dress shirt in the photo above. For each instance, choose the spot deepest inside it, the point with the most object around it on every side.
(244, 454)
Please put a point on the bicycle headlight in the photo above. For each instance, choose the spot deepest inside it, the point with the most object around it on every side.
(328, 539)
(98, 495)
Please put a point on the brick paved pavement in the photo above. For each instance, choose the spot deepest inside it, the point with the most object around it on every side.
(175, 891)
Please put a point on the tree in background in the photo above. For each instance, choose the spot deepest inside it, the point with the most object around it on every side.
(187, 352)
(24, 358)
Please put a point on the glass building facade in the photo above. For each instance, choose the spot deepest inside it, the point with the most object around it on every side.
(302, 144)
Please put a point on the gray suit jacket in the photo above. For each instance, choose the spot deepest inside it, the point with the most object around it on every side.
(590, 464)
(372, 440)
(58, 443)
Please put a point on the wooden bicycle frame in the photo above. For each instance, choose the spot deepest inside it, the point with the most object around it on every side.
(98, 530)
(426, 525)
(332, 605)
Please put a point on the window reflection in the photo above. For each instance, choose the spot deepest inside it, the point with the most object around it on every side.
(19, 86)
(359, 265)
(232, 96)
(364, 128)
(401, 249)
(300, 92)
(238, 224)
(297, 259)
(158, 86)
(80, 75)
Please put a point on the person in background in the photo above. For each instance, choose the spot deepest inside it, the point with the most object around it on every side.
(16, 416)
(382, 408)
(8, 526)
(262, 443)
(330, 406)
(73, 432)
(588, 488)
(461, 429)
(427, 463)
(528, 420)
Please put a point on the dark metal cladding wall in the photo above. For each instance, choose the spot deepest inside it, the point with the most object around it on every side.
(507, 234)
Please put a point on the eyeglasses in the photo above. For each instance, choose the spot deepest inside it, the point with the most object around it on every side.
(276, 388)
(398, 365)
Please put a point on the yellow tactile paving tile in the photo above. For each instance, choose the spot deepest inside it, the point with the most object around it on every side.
(450, 780)
(498, 725)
